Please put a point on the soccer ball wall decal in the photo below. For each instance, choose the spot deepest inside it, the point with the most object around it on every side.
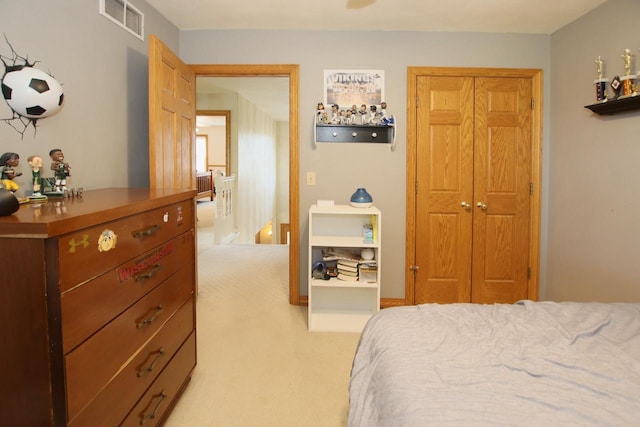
(32, 93)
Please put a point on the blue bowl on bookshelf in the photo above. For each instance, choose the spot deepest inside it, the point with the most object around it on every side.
(361, 199)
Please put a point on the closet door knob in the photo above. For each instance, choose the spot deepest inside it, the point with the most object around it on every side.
(466, 205)
(482, 206)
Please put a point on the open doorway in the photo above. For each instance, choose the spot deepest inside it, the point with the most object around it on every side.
(292, 73)
(213, 143)
(255, 154)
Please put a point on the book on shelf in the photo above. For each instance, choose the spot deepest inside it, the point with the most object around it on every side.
(374, 226)
(342, 276)
(349, 262)
(349, 270)
(347, 267)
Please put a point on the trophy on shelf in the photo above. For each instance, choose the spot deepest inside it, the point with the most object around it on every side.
(628, 81)
(600, 82)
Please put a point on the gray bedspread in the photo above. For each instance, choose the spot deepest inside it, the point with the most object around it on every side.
(524, 364)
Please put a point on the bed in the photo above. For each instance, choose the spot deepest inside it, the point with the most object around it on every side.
(204, 182)
(523, 364)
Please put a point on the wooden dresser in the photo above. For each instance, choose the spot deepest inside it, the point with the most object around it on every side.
(97, 311)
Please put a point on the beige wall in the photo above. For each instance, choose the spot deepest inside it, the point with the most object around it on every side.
(216, 145)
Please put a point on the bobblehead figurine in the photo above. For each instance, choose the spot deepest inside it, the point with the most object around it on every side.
(60, 170)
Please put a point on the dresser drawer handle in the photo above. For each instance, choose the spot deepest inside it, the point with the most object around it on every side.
(144, 370)
(152, 415)
(146, 232)
(149, 274)
(154, 315)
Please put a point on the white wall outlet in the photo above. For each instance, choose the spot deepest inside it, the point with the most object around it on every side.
(311, 178)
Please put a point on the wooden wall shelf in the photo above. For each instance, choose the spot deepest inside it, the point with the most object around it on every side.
(354, 133)
(615, 106)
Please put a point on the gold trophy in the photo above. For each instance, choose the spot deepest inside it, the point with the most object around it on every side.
(600, 82)
(628, 81)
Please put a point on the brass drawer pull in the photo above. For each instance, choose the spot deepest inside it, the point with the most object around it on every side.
(149, 274)
(144, 370)
(154, 315)
(140, 234)
(152, 415)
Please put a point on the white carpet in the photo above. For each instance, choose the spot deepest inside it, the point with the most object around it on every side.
(257, 363)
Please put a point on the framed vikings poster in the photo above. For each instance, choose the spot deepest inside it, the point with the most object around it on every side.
(347, 88)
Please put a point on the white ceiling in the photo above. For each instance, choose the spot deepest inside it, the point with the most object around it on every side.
(499, 16)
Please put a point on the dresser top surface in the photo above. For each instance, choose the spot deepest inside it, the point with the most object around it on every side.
(60, 215)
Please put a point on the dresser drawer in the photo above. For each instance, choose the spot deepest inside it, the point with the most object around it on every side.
(90, 252)
(152, 407)
(119, 288)
(91, 365)
(114, 402)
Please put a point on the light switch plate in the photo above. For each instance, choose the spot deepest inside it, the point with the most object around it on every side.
(311, 178)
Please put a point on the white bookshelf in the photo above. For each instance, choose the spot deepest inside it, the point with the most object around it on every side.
(336, 305)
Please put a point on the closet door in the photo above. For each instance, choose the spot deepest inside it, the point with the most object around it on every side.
(444, 193)
(502, 179)
(473, 177)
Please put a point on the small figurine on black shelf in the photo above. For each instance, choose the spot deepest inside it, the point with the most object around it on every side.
(335, 114)
(350, 118)
(373, 115)
(343, 117)
(385, 118)
(8, 162)
(320, 111)
(363, 114)
(60, 170)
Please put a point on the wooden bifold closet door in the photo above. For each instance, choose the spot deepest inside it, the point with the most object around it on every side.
(473, 189)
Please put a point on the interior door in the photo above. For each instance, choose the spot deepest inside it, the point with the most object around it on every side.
(502, 182)
(473, 189)
(444, 175)
(172, 115)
